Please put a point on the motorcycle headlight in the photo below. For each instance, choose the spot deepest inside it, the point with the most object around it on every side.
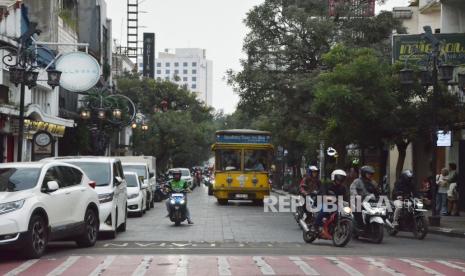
(103, 198)
(131, 196)
(419, 205)
(172, 201)
(11, 206)
(182, 201)
(347, 210)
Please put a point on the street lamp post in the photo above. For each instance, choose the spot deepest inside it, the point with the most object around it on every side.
(23, 70)
(445, 73)
(139, 121)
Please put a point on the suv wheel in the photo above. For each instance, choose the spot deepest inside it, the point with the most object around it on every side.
(36, 238)
(91, 223)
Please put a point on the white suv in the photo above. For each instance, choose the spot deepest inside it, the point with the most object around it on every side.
(41, 202)
(108, 174)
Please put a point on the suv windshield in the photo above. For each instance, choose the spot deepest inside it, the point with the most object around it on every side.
(98, 172)
(139, 169)
(18, 179)
(131, 180)
(185, 173)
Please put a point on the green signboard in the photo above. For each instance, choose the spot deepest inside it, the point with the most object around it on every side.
(417, 48)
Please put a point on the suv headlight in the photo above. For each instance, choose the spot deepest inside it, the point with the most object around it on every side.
(131, 196)
(11, 206)
(103, 198)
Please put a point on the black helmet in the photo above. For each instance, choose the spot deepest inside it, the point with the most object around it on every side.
(407, 174)
(366, 169)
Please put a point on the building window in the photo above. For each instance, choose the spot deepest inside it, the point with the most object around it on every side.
(194, 71)
(194, 78)
(176, 64)
(167, 71)
(194, 64)
(167, 78)
(194, 86)
(184, 79)
(158, 72)
(185, 64)
(158, 64)
(176, 72)
(184, 71)
(167, 64)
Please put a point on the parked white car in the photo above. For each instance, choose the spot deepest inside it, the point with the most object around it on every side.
(137, 194)
(108, 174)
(42, 202)
(185, 175)
(142, 170)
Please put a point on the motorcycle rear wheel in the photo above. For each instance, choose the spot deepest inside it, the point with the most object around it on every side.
(309, 237)
(343, 234)
(377, 232)
(420, 229)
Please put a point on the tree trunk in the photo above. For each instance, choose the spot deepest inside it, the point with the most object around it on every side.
(402, 149)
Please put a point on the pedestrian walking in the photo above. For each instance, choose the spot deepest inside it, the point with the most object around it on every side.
(442, 182)
(452, 192)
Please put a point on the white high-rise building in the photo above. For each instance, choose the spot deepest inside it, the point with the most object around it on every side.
(189, 67)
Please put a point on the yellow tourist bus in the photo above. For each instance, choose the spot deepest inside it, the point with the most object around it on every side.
(242, 164)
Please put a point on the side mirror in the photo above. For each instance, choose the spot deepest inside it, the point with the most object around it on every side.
(118, 180)
(151, 174)
(92, 184)
(52, 186)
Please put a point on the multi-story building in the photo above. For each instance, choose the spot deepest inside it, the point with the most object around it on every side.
(188, 67)
(444, 17)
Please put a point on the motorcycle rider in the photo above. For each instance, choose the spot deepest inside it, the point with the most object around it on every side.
(311, 182)
(403, 188)
(363, 186)
(336, 189)
(177, 184)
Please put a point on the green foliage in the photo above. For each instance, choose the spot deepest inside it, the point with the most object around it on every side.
(181, 135)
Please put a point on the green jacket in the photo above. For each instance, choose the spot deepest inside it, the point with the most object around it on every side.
(178, 186)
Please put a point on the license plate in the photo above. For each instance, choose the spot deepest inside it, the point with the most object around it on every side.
(176, 207)
(242, 196)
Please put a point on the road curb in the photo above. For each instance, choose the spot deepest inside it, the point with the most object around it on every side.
(446, 232)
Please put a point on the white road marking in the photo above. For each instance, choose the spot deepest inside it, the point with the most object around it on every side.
(145, 244)
(116, 244)
(180, 244)
(347, 268)
(64, 266)
(383, 267)
(104, 265)
(422, 267)
(451, 265)
(143, 266)
(306, 269)
(265, 268)
(223, 266)
(21, 268)
(182, 266)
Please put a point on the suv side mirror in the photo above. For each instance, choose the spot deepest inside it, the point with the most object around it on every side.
(52, 186)
(151, 174)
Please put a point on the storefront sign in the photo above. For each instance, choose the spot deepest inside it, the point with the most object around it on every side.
(444, 139)
(42, 145)
(79, 71)
(149, 55)
(35, 126)
(416, 48)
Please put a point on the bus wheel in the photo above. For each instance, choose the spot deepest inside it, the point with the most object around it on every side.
(222, 201)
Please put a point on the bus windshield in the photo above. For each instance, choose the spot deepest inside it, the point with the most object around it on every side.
(228, 160)
(256, 160)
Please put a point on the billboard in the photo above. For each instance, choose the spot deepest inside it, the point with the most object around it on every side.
(148, 54)
(416, 48)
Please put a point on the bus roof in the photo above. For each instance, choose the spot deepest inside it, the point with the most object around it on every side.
(243, 132)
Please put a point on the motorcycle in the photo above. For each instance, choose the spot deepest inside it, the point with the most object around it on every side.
(337, 228)
(300, 209)
(412, 218)
(177, 208)
(370, 223)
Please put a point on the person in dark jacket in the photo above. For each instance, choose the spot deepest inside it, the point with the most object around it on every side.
(311, 182)
(403, 188)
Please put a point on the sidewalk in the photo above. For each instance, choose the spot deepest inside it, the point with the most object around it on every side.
(450, 225)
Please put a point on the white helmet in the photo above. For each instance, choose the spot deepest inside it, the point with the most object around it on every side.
(313, 169)
(338, 175)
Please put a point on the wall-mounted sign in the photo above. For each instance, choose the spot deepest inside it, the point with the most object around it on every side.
(54, 129)
(42, 145)
(243, 139)
(416, 48)
(444, 139)
(149, 55)
(79, 71)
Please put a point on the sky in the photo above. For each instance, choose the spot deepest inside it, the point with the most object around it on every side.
(214, 25)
